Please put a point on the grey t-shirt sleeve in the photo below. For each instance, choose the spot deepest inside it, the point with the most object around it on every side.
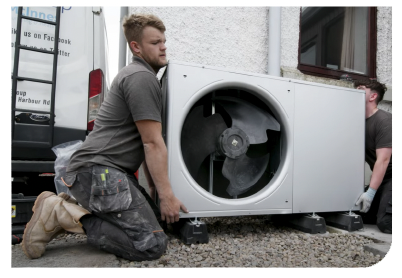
(142, 93)
(383, 137)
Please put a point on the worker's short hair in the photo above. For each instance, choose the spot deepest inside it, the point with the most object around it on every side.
(373, 85)
(134, 24)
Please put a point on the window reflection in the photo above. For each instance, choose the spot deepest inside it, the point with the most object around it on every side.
(335, 38)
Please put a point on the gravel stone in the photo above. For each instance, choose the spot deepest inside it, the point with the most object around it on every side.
(255, 241)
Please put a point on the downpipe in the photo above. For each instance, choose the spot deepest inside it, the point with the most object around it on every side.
(274, 41)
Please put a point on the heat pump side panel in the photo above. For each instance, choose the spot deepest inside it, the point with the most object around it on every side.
(329, 131)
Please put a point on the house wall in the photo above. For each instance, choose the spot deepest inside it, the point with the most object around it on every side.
(229, 37)
(237, 38)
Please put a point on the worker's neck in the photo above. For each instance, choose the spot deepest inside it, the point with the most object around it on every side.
(156, 69)
(370, 110)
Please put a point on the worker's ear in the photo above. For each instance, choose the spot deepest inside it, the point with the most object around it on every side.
(135, 47)
(373, 96)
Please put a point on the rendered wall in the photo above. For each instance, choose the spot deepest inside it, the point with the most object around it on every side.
(237, 38)
(229, 37)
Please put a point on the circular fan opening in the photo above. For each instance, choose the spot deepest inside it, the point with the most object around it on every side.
(231, 143)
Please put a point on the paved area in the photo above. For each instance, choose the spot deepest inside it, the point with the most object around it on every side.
(382, 242)
(69, 252)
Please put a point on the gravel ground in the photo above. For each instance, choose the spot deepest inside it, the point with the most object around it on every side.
(249, 241)
(255, 241)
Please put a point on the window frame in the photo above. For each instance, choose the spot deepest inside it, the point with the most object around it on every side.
(321, 71)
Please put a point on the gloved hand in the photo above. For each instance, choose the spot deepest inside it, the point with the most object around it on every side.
(366, 198)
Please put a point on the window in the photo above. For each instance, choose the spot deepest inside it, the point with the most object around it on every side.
(338, 40)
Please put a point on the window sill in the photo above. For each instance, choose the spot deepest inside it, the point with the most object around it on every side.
(293, 73)
(329, 73)
(296, 74)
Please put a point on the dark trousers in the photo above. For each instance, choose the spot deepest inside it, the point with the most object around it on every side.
(130, 231)
(380, 212)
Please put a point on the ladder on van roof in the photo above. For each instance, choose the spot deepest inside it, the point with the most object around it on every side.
(28, 135)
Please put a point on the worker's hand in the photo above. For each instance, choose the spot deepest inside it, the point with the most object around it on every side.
(170, 208)
(366, 198)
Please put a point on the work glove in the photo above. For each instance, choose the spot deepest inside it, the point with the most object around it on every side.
(366, 198)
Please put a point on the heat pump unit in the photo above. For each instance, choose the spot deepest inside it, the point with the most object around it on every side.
(250, 144)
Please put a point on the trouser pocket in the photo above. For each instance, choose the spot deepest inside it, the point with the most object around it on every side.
(69, 178)
(110, 191)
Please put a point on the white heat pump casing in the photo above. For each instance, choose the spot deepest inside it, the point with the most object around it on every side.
(322, 144)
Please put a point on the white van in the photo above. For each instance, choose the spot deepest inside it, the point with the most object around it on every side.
(57, 89)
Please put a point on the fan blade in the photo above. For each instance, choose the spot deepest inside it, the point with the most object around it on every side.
(243, 172)
(199, 137)
(251, 119)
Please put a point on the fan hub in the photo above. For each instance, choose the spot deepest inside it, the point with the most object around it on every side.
(233, 143)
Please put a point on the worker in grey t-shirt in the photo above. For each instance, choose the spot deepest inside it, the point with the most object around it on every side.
(377, 200)
(116, 213)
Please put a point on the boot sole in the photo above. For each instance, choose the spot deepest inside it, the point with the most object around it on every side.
(34, 219)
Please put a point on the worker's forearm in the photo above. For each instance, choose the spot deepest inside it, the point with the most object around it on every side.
(380, 167)
(156, 160)
(147, 175)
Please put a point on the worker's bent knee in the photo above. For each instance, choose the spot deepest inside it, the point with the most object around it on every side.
(124, 251)
(157, 251)
(112, 239)
(385, 224)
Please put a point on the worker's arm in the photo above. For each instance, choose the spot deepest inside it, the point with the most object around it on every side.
(380, 167)
(156, 160)
(151, 184)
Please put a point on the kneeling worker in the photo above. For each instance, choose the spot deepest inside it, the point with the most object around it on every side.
(116, 214)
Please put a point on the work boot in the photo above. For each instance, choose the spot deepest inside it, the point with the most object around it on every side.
(52, 216)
